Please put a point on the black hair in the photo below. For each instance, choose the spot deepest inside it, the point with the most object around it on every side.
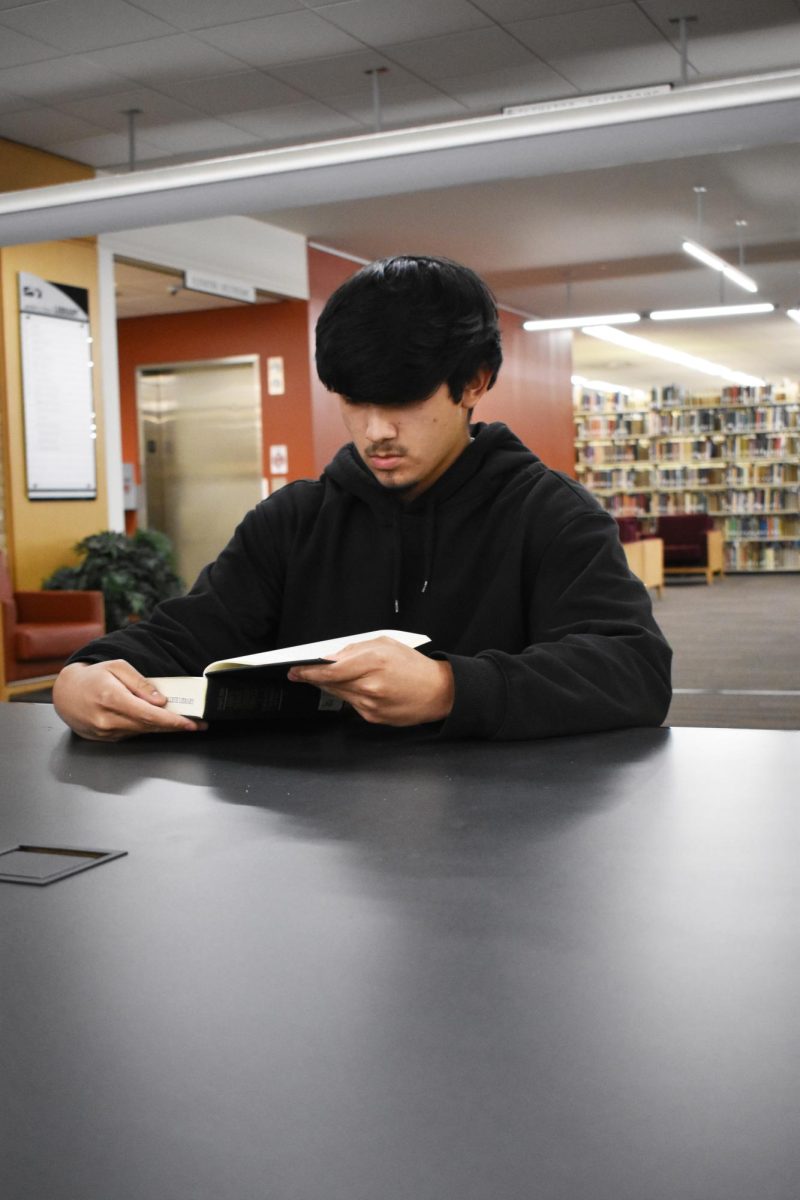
(401, 327)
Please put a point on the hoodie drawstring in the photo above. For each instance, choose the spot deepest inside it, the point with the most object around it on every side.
(429, 547)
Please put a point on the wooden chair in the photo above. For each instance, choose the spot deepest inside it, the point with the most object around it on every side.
(692, 546)
(39, 631)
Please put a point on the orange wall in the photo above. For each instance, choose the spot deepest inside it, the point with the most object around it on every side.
(264, 329)
(325, 273)
(533, 393)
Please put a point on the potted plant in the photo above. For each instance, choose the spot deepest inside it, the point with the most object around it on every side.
(133, 572)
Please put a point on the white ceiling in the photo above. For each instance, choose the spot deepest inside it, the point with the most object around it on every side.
(222, 76)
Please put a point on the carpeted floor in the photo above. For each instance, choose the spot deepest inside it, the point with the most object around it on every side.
(735, 642)
(737, 651)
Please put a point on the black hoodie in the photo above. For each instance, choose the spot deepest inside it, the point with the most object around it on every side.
(513, 570)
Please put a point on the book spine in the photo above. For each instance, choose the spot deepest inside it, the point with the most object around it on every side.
(240, 699)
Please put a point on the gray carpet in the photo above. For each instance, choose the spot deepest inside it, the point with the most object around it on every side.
(739, 636)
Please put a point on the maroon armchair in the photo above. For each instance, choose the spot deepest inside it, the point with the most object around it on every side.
(629, 530)
(691, 545)
(40, 630)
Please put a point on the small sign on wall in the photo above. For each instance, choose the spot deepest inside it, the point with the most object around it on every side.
(130, 492)
(279, 460)
(276, 385)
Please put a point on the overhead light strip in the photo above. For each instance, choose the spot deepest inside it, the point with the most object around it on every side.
(71, 209)
(619, 337)
(714, 310)
(602, 385)
(709, 259)
(590, 101)
(628, 318)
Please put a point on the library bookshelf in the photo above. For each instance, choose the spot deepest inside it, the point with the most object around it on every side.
(733, 455)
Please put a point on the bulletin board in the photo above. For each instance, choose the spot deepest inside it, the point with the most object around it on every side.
(58, 399)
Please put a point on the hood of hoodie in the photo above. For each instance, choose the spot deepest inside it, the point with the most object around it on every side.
(494, 454)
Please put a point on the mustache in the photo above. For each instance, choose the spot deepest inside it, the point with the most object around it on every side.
(385, 448)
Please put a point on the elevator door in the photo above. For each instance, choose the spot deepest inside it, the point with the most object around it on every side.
(201, 440)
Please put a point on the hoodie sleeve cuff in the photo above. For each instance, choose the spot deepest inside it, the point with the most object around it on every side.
(480, 703)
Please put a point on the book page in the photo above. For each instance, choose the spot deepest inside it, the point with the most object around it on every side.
(185, 693)
(312, 651)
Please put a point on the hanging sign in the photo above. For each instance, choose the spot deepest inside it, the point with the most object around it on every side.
(57, 394)
(216, 285)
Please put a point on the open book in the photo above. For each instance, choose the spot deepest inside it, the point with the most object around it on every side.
(255, 685)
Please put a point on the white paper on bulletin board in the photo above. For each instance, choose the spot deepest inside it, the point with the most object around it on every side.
(59, 408)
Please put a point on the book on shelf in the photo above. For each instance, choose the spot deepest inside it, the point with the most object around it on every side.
(255, 685)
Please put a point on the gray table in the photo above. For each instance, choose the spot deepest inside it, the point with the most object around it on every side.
(367, 967)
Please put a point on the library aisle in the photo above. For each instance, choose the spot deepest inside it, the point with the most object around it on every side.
(737, 651)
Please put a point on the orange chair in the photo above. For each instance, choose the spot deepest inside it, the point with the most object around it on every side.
(39, 631)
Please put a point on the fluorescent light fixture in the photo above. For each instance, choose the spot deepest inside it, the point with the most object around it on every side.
(619, 337)
(570, 102)
(719, 264)
(602, 385)
(714, 310)
(794, 314)
(383, 163)
(628, 318)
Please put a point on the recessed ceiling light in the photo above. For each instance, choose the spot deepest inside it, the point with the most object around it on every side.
(713, 310)
(628, 318)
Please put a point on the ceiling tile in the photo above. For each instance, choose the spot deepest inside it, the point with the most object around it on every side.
(280, 39)
(296, 122)
(601, 49)
(179, 56)
(16, 48)
(42, 126)
(70, 77)
(326, 78)
(520, 10)
(79, 25)
(9, 103)
(195, 136)
(715, 18)
(200, 14)
(490, 91)
(743, 53)
(461, 54)
(381, 22)
(409, 104)
(110, 112)
(105, 150)
(231, 93)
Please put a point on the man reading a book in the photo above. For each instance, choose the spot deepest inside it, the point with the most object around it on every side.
(427, 521)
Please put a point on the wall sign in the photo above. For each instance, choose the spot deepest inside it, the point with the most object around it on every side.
(276, 384)
(58, 403)
(215, 285)
(278, 460)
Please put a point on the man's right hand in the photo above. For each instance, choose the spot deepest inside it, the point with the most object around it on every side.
(108, 701)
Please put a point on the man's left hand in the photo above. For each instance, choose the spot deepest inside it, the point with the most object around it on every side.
(386, 682)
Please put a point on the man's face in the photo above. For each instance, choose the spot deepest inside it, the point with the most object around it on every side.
(409, 446)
